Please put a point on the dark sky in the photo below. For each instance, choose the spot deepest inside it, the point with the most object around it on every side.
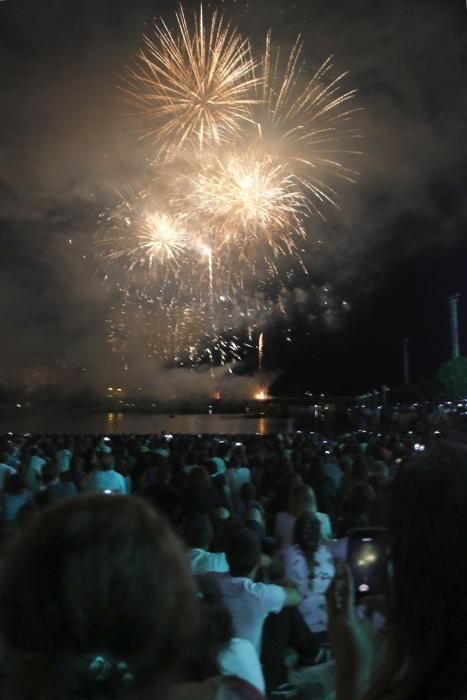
(394, 252)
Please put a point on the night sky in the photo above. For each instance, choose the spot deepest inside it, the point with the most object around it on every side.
(394, 252)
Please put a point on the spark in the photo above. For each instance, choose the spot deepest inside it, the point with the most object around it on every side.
(306, 122)
(252, 206)
(194, 86)
(162, 237)
(138, 235)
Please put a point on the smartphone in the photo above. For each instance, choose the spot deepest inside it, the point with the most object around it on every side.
(367, 557)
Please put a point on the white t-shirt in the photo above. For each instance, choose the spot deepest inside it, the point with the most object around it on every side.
(63, 458)
(241, 659)
(5, 470)
(203, 562)
(105, 481)
(236, 477)
(220, 464)
(249, 604)
(36, 463)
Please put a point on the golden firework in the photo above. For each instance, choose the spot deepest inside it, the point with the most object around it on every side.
(250, 205)
(306, 123)
(247, 150)
(138, 236)
(194, 86)
(162, 238)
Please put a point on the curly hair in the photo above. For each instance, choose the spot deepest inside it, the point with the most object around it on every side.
(307, 535)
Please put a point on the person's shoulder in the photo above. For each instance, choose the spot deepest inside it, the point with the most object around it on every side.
(7, 468)
(262, 590)
(116, 475)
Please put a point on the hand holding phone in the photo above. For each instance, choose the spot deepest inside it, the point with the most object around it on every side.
(351, 641)
(367, 557)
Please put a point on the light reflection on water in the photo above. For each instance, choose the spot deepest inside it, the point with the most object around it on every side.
(141, 423)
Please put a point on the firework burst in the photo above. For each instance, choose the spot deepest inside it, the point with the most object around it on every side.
(244, 152)
(141, 240)
(195, 86)
(306, 123)
(250, 204)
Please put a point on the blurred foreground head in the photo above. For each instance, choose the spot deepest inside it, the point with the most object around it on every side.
(428, 514)
(96, 601)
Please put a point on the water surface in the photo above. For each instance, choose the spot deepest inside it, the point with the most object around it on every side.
(108, 423)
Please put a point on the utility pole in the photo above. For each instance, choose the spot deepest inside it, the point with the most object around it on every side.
(405, 349)
(453, 299)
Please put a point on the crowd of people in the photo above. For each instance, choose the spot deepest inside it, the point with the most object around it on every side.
(214, 567)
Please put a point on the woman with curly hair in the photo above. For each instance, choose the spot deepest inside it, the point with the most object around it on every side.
(308, 563)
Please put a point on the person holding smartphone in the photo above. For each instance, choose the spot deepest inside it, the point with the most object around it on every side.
(425, 649)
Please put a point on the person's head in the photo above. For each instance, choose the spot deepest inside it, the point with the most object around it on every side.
(307, 534)
(301, 499)
(94, 594)
(428, 528)
(198, 479)
(359, 499)
(360, 469)
(198, 531)
(243, 552)
(346, 463)
(49, 473)
(106, 460)
(316, 472)
(237, 455)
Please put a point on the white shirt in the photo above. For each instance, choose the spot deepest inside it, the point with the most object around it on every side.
(241, 659)
(334, 472)
(36, 463)
(105, 481)
(220, 464)
(236, 477)
(249, 604)
(5, 470)
(63, 458)
(203, 562)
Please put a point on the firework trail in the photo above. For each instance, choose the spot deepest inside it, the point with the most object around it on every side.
(260, 351)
